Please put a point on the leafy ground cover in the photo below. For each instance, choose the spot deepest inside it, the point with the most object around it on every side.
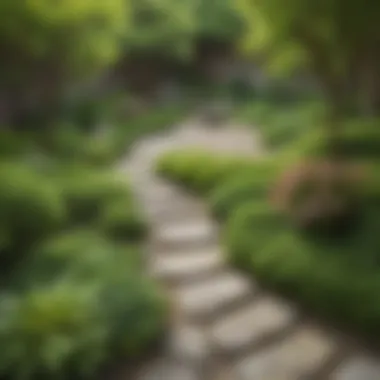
(73, 289)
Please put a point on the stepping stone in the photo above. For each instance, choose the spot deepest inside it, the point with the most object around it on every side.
(181, 234)
(212, 296)
(185, 266)
(188, 344)
(170, 204)
(300, 355)
(168, 369)
(251, 324)
(358, 368)
(170, 215)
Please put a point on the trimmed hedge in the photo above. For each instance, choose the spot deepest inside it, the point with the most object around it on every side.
(337, 277)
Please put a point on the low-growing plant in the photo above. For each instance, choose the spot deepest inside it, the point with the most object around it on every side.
(31, 208)
(121, 221)
(71, 329)
(87, 192)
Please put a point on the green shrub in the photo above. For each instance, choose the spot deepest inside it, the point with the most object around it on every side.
(339, 280)
(46, 328)
(199, 170)
(73, 328)
(14, 144)
(81, 254)
(122, 222)
(86, 193)
(99, 152)
(360, 139)
(78, 302)
(31, 208)
(242, 187)
(65, 142)
(282, 124)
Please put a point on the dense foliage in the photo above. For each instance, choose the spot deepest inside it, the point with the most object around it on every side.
(74, 295)
(338, 42)
(334, 274)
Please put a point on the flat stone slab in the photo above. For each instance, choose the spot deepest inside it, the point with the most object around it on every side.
(248, 326)
(189, 344)
(210, 296)
(168, 369)
(298, 356)
(358, 368)
(181, 234)
(184, 266)
(173, 205)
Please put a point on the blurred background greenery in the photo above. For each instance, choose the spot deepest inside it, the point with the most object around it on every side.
(82, 80)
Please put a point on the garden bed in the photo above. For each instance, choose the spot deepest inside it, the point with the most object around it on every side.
(339, 279)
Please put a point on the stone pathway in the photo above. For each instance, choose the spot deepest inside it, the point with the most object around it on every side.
(225, 327)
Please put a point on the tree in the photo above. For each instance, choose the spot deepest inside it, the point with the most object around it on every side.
(337, 40)
(44, 44)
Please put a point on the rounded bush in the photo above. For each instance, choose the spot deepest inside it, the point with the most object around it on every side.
(198, 170)
(246, 184)
(250, 218)
(339, 280)
(63, 141)
(86, 193)
(82, 253)
(31, 208)
(81, 302)
(122, 222)
(99, 152)
(13, 144)
(48, 329)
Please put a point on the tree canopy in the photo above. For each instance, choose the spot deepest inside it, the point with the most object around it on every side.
(338, 40)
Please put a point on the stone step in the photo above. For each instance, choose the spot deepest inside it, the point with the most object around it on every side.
(174, 203)
(361, 367)
(166, 216)
(181, 235)
(188, 343)
(213, 296)
(297, 357)
(187, 266)
(168, 369)
(251, 325)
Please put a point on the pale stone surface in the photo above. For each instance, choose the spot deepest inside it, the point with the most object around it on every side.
(252, 323)
(184, 233)
(168, 369)
(162, 218)
(358, 368)
(174, 205)
(188, 343)
(207, 297)
(184, 266)
(294, 358)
